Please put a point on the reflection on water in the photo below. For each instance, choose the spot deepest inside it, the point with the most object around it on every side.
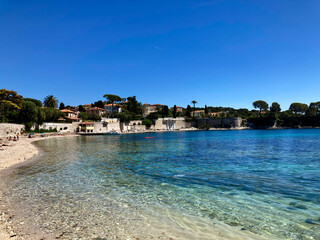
(265, 182)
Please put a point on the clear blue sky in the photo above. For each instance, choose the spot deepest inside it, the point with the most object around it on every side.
(219, 53)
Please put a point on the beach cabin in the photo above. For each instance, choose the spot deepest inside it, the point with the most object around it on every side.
(86, 127)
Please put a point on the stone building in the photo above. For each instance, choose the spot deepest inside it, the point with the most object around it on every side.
(70, 116)
(116, 108)
(96, 111)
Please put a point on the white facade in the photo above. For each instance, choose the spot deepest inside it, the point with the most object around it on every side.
(116, 108)
(60, 127)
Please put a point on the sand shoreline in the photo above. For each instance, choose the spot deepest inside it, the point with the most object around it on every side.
(16, 153)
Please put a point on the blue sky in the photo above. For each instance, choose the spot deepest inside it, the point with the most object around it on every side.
(219, 53)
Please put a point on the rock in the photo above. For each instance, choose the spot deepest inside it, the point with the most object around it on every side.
(311, 221)
(298, 205)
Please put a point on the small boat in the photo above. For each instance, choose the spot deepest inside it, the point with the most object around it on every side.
(148, 137)
(113, 133)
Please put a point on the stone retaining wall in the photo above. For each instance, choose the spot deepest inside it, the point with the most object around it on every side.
(220, 122)
(10, 129)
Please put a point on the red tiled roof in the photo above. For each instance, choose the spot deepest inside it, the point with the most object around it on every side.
(67, 111)
(72, 118)
(157, 104)
(97, 108)
(146, 104)
(110, 104)
(198, 111)
(86, 123)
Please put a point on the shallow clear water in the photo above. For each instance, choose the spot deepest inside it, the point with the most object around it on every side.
(263, 181)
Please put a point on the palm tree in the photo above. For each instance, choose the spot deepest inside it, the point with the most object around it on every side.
(50, 101)
(194, 102)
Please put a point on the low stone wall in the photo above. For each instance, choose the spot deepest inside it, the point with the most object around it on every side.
(220, 122)
(139, 128)
(171, 124)
(113, 126)
(10, 129)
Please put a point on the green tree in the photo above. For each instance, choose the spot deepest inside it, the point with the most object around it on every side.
(298, 108)
(50, 101)
(124, 115)
(275, 107)
(83, 115)
(81, 108)
(133, 106)
(61, 107)
(9, 101)
(194, 102)
(94, 117)
(147, 122)
(112, 99)
(262, 105)
(316, 105)
(188, 111)
(99, 104)
(28, 113)
(41, 117)
(206, 110)
(37, 102)
(312, 111)
(165, 111)
(153, 115)
(174, 111)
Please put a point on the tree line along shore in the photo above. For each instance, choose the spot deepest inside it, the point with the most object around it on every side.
(15, 108)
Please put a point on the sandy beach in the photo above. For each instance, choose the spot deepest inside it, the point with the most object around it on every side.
(13, 153)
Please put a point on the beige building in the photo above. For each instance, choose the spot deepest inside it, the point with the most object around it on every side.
(96, 111)
(112, 124)
(179, 109)
(198, 113)
(133, 126)
(217, 114)
(147, 108)
(70, 116)
(86, 127)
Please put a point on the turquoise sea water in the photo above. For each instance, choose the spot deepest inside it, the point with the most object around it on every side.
(261, 181)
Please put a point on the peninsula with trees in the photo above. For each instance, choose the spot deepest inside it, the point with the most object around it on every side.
(115, 113)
